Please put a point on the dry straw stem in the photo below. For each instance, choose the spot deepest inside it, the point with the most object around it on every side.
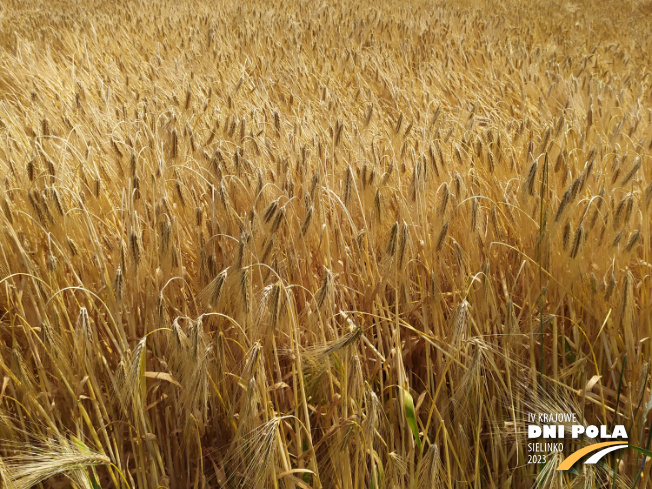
(190, 193)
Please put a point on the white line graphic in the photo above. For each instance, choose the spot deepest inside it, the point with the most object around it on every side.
(597, 456)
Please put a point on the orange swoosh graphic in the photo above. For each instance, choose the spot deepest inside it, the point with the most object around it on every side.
(575, 456)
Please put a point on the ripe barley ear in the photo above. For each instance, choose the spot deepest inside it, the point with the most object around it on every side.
(576, 242)
(529, 181)
(563, 204)
(566, 235)
(633, 240)
(118, 283)
(442, 237)
(135, 247)
(391, 244)
(443, 201)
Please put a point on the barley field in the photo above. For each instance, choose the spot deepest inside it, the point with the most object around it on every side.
(322, 244)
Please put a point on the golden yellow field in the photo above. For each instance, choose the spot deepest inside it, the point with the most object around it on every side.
(322, 244)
